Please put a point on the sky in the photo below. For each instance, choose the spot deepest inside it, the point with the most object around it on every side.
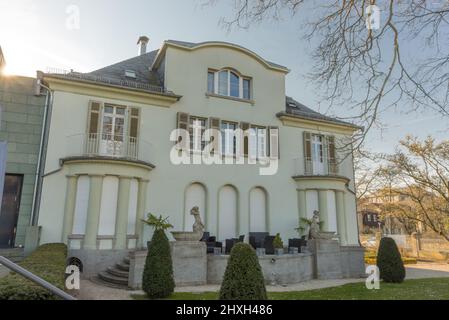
(36, 35)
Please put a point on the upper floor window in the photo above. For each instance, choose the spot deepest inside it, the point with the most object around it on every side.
(229, 83)
(197, 126)
(320, 154)
(112, 130)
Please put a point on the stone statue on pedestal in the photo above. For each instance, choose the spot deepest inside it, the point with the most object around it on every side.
(315, 228)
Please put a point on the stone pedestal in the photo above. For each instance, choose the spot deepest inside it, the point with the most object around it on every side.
(327, 258)
(189, 262)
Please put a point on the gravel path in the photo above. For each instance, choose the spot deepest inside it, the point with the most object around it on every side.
(93, 291)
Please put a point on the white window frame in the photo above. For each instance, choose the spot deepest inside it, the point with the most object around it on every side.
(216, 89)
(228, 148)
(194, 144)
(258, 142)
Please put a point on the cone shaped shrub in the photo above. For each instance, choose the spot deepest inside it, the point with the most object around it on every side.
(243, 278)
(389, 261)
(157, 280)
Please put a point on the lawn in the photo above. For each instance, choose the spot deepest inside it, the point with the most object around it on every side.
(416, 289)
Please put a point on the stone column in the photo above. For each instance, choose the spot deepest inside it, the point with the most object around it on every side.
(69, 210)
(141, 213)
(93, 212)
(324, 212)
(121, 224)
(341, 216)
(302, 204)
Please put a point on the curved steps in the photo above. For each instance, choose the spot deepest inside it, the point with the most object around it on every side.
(116, 276)
(108, 277)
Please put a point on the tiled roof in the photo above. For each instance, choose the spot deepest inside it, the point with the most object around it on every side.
(139, 64)
(296, 109)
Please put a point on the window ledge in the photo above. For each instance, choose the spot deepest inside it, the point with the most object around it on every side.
(214, 95)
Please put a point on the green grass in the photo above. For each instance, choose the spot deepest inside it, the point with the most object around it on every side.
(417, 289)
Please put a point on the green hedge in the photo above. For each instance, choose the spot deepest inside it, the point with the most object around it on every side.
(47, 262)
(157, 279)
(243, 278)
(389, 261)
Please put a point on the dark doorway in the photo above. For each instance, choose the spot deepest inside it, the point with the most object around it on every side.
(9, 212)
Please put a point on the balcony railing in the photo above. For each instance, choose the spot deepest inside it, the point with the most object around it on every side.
(108, 145)
(309, 167)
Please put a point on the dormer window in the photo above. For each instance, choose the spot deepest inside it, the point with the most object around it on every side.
(130, 74)
(229, 83)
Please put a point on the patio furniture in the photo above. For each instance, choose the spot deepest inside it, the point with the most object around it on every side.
(205, 237)
(297, 243)
(268, 244)
(229, 243)
(211, 242)
(256, 239)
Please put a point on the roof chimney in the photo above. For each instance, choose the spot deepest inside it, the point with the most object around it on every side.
(142, 45)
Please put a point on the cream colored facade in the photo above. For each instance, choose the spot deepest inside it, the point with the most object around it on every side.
(232, 198)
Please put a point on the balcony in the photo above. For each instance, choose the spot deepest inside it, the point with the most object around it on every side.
(310, 167)
(118, 147)
(318, 175)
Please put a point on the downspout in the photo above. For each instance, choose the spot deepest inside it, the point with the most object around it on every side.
(41, 157)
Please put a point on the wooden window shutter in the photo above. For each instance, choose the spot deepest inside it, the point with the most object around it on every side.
(332, 155)
(94, 118)
(183, 120)
(274, 142)
(307, 152)
(214, 123)
(134, 120)
(245, 126)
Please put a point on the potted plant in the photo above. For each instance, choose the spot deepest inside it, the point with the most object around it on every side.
(278, 245)
(158, 223)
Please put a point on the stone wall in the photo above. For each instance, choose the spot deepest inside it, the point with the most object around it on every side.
(21, 125)
(193, 267)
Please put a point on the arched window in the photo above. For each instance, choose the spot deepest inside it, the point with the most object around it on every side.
(229, 83)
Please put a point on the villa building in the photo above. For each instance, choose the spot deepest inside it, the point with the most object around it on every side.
(108, 152)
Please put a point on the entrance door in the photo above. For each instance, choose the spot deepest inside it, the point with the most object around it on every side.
(317, 154)
(112, 135)
(10, 209)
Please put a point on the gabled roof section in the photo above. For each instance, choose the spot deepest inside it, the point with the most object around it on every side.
(140, 65)
(194, 46)
(296, 109)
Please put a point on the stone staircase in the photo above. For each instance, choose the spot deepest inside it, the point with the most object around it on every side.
(116, 276)
(14, 254)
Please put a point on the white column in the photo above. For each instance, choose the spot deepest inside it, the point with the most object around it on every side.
(322, 204)
(141, 211)
(93, 212)
(341, 216)
(121, 224)
(69, 210)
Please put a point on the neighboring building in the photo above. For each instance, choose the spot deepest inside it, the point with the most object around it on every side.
(108, 158)
(374, 213)
(20, 132)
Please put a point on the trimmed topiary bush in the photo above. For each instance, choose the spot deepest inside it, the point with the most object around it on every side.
(243, 278)
(48, 262)
(389, 261)
(157, 281)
